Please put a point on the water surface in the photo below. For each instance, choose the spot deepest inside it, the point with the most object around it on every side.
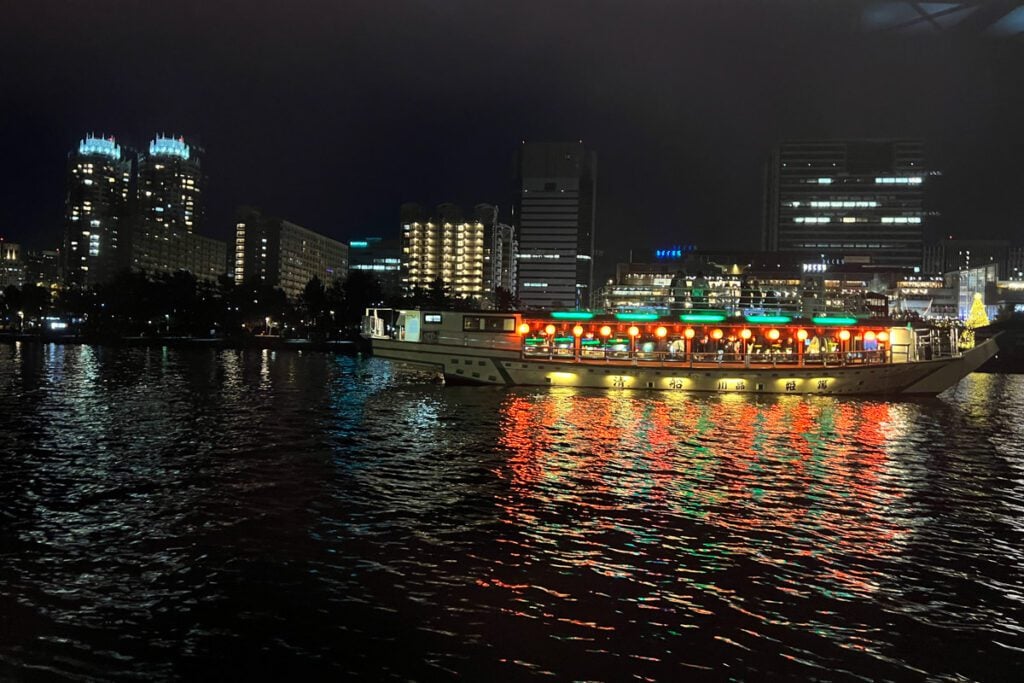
(183, 514)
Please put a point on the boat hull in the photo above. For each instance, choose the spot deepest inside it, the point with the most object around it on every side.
(463, 364)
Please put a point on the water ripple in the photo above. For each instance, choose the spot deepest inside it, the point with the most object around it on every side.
(200, 514)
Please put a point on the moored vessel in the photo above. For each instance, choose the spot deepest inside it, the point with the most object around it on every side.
(700, 350)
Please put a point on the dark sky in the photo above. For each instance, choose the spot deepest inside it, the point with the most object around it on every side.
(333, 113)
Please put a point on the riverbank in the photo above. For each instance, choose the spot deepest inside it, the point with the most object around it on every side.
(341, 346)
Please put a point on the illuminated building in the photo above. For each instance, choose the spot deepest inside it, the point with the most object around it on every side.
(747, 282)
(42, 268)
(444, 246)
(861, 200)
(926, 296)
(997, 291)
(554, 224)
(164, 238)
(12, 269)
(99, 176)
(380, 257)
(501, 251)
(170, 185)
(167, 250)
(285, 255)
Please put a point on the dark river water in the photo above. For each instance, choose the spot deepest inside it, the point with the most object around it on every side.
(250, 515)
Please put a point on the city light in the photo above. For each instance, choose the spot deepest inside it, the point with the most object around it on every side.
(637, 317)
(99, 146)
(842, 320)
(702, 317)
(173, 147)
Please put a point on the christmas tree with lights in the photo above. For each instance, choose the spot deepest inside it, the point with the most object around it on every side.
(977, 317)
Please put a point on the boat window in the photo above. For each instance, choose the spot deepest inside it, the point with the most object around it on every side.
(480, 323)
(432, 318)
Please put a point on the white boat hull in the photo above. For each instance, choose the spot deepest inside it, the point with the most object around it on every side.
(463, 364)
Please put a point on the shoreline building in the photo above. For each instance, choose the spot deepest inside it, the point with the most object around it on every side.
(12, 267)
(951, 254)
(445, 246)
(380, 257)
(42, 268)
(500, 254)
(170, 187)
(283, 254)
(862, 200)
(97, 205)
(554, 224)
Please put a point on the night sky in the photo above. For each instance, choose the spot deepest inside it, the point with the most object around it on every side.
(331, 114)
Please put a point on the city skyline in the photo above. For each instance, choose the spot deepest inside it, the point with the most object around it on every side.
(325, 127)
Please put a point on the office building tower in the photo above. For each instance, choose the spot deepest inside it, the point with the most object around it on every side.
(554, 224)
(444, 246)
(283, 254)
(99, 177)
(862, 200)
(381, 258)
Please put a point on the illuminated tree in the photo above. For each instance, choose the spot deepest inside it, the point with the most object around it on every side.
(977, 317)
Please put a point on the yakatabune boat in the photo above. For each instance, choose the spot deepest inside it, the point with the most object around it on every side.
(695, 351)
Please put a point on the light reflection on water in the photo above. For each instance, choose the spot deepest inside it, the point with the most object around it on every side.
(184, 514)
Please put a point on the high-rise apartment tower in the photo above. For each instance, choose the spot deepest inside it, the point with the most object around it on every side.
(99, 177)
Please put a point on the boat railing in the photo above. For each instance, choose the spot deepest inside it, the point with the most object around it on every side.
(704, 359)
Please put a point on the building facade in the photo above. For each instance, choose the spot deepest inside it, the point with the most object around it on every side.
(502, 260)
(951, 255)
(862, 200)
(445, 246)
(554, 224)
(381, 258)
(170, 185)
(97, 210)
(166, 250)
(164, 238)
(42, 268)
(12, 267)
(283, 254)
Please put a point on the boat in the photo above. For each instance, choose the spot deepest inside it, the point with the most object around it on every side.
(698, 350)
